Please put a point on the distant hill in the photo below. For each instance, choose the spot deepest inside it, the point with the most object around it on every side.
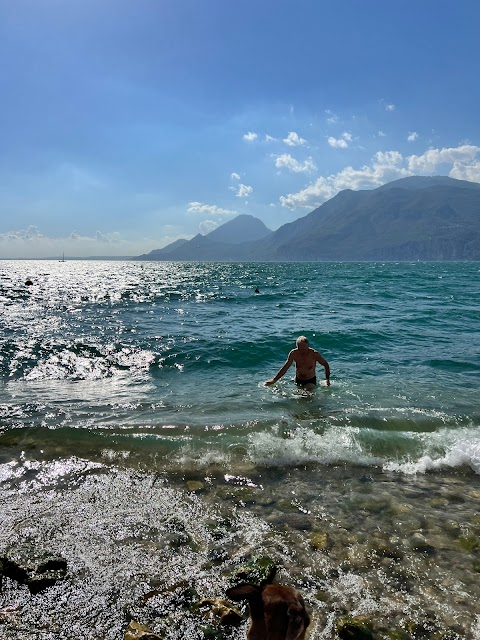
(161, 254)
(424, 182)
(415, 218)
(216, 245)
(243, 228)
(410, 219)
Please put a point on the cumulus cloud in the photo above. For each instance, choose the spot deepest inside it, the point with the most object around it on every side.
(385, 167)
(342, 142)
(234, 176)
(209, 209)
(337, 143)
(432, 159)
(412, 136)
(287, 162)
(294, 140)
(250, 136)
(208, 225)
(244, 191)
(469, 172)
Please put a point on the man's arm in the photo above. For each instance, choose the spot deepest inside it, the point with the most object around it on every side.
(283, 370)
(321, 360)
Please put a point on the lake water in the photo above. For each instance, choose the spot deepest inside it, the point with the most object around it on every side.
(132, 397)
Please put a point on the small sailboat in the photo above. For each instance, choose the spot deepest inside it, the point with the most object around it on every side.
(63, 257)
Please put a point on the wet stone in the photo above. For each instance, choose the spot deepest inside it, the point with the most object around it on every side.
(137, 631)
(220, 612)
(240, 496)
(195, 486)
(353, 628)
(387, 549)
(468, 542)
(298, 521)
(419, 543)
(438, 502)
(36, 568)
(259, 571)
(320, 541)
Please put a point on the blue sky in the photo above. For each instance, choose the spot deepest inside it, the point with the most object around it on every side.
(125, 125)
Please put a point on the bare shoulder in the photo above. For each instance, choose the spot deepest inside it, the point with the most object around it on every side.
(292, 354)
(318, 356)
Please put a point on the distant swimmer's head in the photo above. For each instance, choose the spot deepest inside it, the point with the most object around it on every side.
(257, 290)
(302, 342)
(28, 283)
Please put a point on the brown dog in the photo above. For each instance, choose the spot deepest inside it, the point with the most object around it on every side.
(277, 612)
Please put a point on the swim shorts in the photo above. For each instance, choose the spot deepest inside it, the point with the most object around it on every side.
(302, 383)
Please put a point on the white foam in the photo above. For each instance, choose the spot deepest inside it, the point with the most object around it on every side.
(458, 448)
(303, 445)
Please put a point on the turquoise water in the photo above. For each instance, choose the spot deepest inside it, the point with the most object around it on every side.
(120, 382)
(165, 362)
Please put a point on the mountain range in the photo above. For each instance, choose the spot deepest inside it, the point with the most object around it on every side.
(415, 218)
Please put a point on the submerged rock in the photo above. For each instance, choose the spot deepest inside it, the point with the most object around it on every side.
(137, 631)
(195, 486)
(468, 542)
(353, 628)
(259, 571)
(219, 611)
(36, 568)
(419, 543)
(320, 541)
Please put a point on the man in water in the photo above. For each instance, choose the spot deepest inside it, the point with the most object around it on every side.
(305, 360)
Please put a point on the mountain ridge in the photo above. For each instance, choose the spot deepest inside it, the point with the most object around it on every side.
(413, 218)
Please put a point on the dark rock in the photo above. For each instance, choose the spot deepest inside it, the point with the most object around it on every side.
(36, 568)
(320, 541)
(353, 628)
(259, 571)
(137, 631)
(298, 521)
(220, 612)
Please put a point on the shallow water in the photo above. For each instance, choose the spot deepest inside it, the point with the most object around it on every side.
(123, 382)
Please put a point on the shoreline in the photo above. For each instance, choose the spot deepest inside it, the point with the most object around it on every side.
(401, 551)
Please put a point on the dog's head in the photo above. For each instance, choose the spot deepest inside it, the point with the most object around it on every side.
(277, 611)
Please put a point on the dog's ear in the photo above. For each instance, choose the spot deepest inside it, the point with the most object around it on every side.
(298, 621)
(244, 592)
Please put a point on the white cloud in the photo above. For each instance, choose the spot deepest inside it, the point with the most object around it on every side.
(337, 143)
(390, 107)
(432, 159)
(469, 172)
(287, 162)
(208, 225)
(209, 209)
(380, 134)
(294, 140)
(250, 136)
(31, 243)
(385, 167)
(412, 136)
(342, 142)
(270, 138)
(244, 191)
(234, 176)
